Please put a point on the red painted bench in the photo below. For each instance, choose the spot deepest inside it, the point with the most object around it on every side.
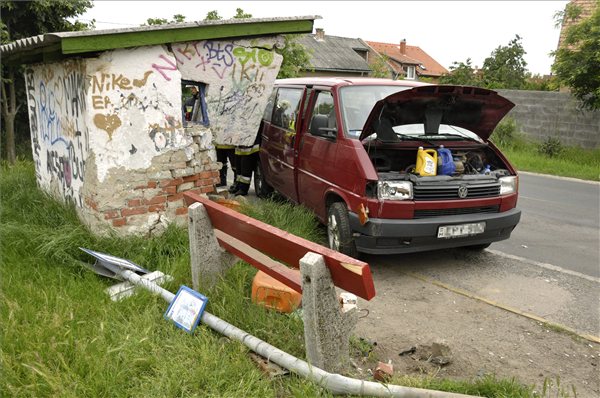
(274, 251)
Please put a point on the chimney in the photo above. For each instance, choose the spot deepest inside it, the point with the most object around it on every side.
(320, 35)
(403, 46)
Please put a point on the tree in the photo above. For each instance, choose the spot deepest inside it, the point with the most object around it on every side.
(240, 14)
(380, 67)
(577, 62)
(21, 19)
(506, 67)
(462, 73)
(213, 16)
(177, 18)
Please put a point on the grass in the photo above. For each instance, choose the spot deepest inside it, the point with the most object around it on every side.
(62, 336)
(549, 157)
(572, 162)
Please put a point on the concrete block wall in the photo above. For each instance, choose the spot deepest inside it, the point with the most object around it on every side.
(543, 114)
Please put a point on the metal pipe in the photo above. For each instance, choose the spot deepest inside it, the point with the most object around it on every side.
(333, 382)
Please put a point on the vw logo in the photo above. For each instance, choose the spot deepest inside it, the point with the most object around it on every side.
(462, 191)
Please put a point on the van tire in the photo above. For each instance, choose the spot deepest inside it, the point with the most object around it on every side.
(261, 186)
(477, 248)
(339, 234)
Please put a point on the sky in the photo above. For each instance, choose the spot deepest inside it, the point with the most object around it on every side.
(449, 31)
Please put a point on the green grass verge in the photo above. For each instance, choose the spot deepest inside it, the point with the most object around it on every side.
(572, 162)
(61, 335)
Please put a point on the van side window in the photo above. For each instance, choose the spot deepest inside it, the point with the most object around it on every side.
(323, 114)
(270, 105)
(286, 107)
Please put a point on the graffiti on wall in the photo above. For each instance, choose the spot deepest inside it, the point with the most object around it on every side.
(60, 139)
(239, 76)
(134, 107)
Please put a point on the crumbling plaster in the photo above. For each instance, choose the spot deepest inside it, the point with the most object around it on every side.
(107, 132)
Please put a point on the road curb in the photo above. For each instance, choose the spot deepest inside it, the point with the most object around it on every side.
(559, 177)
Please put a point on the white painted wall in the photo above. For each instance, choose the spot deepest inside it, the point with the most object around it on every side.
(240, 76)
(56, 101)
(134, 103)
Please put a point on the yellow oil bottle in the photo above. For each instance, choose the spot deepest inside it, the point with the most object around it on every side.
(426, 162)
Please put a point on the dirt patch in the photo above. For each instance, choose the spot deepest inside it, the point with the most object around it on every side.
(424, 329)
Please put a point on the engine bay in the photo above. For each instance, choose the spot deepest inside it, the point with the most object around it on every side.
(470, 163)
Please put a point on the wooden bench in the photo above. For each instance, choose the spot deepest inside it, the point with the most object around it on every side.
(220, 235)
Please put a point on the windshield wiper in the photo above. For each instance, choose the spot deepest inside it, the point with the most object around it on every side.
(406, 137)
(464, 137)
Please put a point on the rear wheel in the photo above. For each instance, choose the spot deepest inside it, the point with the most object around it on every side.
(261, 187)
(339, 234)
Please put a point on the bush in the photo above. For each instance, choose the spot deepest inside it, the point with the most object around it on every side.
(551, 147)
(505, 133)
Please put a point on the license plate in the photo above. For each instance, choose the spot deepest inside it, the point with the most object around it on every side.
(458, 231)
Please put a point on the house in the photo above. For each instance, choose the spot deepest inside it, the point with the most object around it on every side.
(335, 56)
(408, 62)
(108, 129)
(583, 10)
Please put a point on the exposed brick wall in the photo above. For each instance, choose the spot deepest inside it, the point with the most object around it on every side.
(168, 194)
(543, 114)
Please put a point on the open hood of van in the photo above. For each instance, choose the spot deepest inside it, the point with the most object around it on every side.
(476, 109)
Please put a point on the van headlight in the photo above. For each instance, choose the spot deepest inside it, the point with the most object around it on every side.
(508, 185)
(394, 190)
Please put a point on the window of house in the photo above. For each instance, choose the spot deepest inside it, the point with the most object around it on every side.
(410, 72)
(286, 107)
(194, 103)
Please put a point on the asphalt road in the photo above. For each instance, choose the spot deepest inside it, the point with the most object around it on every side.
(560, 224)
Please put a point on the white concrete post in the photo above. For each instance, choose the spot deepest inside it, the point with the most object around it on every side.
(326, 328)
(208, 260)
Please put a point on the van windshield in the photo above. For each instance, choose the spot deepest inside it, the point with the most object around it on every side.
(357, 102)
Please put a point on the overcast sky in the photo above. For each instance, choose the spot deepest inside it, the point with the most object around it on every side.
(447, 30)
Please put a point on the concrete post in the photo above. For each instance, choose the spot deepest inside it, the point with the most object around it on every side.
(326, 328)
(208, 260)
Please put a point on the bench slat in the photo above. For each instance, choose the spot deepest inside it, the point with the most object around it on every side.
(347, 273)
(288, 276)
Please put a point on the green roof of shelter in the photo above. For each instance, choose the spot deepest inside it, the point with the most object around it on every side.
(53, 46)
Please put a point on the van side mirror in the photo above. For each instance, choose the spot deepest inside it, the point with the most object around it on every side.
(318, 127)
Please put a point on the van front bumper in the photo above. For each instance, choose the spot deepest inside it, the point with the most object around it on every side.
(393, 236)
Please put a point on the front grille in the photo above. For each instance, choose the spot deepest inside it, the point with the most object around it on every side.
(455, 212)
(445, 192)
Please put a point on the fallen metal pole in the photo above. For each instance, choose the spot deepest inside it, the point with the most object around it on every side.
(333, 382)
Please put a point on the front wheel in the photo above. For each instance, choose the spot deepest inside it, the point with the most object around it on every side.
(477, 248)
(339, 234)
(261, 186)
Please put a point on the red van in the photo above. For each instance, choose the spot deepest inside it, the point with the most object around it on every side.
(349, 150)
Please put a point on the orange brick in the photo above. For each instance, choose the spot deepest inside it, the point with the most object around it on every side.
(152, 184)
(119, 222)
(168, 183)
(170, 190)
(133, 211)
(207, 189)
(206, 174)
(181, 210)
(155, 200)
(134, 202)
(156, 208)
(109, 214)
(191, 178)
(173, 198)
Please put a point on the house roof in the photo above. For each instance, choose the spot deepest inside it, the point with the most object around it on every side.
(52, 46)
(335, 53)
(412, 55)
